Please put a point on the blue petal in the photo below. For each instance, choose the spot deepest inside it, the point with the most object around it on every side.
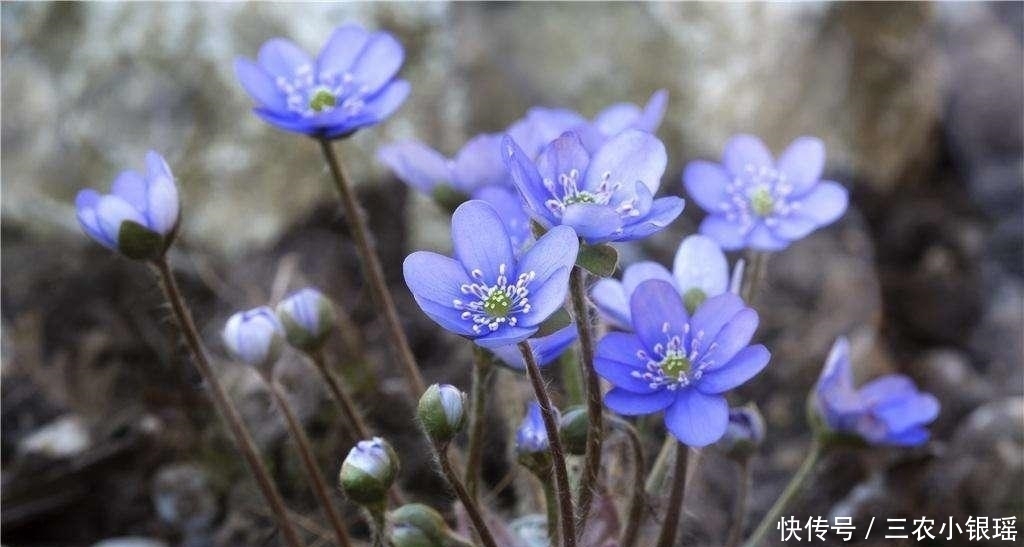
(793, 227)
(481, 242)
(915, 436)
(653, 112)
(131, 187)
(378, 62)
(527, 181)
(479, 164)
(612, 302)
(696, 419)
(85, 206)
(627, 158)
(382, 105)
(662, 213)
(617, 118)
(629, 403)
(802, 163)
(637, 273)
(594, 223)
(287, 122)
(509, 205)
(435, 278)
(658, 313)
(744, 366)
(700, 264)
(545, 349)
(761, 238)
(916, 410)
(504, 336)
(744, 153)
(616, 360)
(714, 313)
(415, 164)
(706, 183)
(727, 233)
(282, 58)
(733, 337)
(562, 157)
(555, 250)
(824, 203)
(448, 317)
(259, 85)
(834, 389)
(341, 50)
(163, 205)
(111, 211)
(888, 387)
(541, 126)
(545, 297)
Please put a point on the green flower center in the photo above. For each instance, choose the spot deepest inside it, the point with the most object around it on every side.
(582, 197)
(675, 366)
(497, 304)
(693, 299)
(321, 100)
(761, 202)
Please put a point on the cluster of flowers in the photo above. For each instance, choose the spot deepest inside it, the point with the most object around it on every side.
(530, 206)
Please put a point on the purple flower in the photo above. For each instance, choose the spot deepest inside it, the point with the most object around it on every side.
(605, 197)
(754, 201)
(350, 85)
(532, 437)
(509, 206)
(886, 411)
(308, 318)
(678, 363)
(476, 165)
(545, 348)
(140, 215)
(487, 292)
(699, 271)
(254, 336)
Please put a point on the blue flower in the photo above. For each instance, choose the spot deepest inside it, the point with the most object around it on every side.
(888, 410)
(476, 165)
(545, 348)
(699, 271)
(254, 337)
(754, 201)
(350, 85)
(488, 293)
(605, 197)
(678, 363)
(307, 317)
(140, 215)
(532, 437)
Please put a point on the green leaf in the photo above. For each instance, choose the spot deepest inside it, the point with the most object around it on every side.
(558, 321)
(537, 229)
(138, 242)
(600, 260)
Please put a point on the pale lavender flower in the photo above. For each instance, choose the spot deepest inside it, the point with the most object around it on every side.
(254, 337)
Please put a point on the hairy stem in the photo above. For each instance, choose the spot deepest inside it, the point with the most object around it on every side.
(316, 479)
(787, 495)
(477, 419)
(354, 419)
(378, 525)
(739, 508)
(675, 500)
(635, 512)
(656, 478)
(223, 404)
(373, 271)
(595, 429)
(551, 507)
(756, 267)
(554, 444)
(472, 508)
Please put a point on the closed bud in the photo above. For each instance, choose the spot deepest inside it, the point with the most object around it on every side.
(745, 432)
(532, 442)
(308, 319)
(573, 430)
(417, 525)
(368, 471)
(254, 337)
(442, 411)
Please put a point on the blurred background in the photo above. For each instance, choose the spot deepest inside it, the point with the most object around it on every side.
(106, 432)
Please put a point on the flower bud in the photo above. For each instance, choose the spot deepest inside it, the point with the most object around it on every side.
(254, 337)
(745, 432)
(417, 525)
(308, 319)
(442, 412)
(532, 442)
(573, 430)
(368, 471)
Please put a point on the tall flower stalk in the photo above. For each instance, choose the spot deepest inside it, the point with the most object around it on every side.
(482, 369)
(794, 486)
(635, 510)
(670, 526)
(595, 429)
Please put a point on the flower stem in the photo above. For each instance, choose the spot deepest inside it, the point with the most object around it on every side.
(787, 495)
(551, 506)
(656, 478)
(675, 500)
(378, 525)
(635, 512)
(739, 508)
(481, 379)
(554, 445)
(595, 429)
(359, 429)
(316, 479)
(373, 270)
(756, 267)
(472, 509)
(223, 404)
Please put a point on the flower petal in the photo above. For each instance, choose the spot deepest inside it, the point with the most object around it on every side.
(888, 387)
(545, 348)
(714, 313)
(627, 158)
(479, 163)
(616, 360)
(700, 264)
(85, 207)
(744, 366)
(706, 183)
(661, 214)
(802, 163)
(728, 234)
(612, 302)
(131, 187)
(415, 164)
(563, 157)
(111, 211)
(527, 180)
(555, 250)
(341, 50)
(504, 336)
(281, 58)
(636, 274)
(628, 403)
(744, 153)
(824, 203)
(733, 337)
(259, 85)
(545, 297)
(654, 112)
(382, 105)
(658, 313)
(378, 62)
(914, 436)
(448, 317)
(435, 278)
(481, 242)
(761, 238)
(617, 118)
(834, 390)
(908, 412)
(697, 419)
(594, 223)
(509, 205)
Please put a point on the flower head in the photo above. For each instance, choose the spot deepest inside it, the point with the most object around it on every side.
(532, 437)
(368, 471)
(307, 317)
(487, 292)
(680, 363)
(350, 85)
(442, 411)
(886, 411)
(605, 197)
(545, 348)
(476, 165)
(254, 336)
(755, 201)
(699, 272)
(140, 215)
(744, 433)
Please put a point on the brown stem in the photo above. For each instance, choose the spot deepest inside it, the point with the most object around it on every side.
(595, 427)
(675, 499)
(635, 513)
(348, 408)
(373, 271)
(477, 419)
(472, 509)
(223, 404)
(554, 444)
(739, 508)
(316, 480)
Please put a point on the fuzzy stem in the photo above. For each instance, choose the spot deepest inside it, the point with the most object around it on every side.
(572, 378)
(656, 478)
(373, 271)
(378, 525)
(477, 419)
(756, 267)
(345, 403)
(554, 444)
(551, 507)
(223, 404)
(595, 429)
(316, 479)
(635, 512)
(675, 500)
(739, 508)
(472, 509)
(787, 495)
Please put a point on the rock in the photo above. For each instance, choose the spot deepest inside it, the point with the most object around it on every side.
(65, 437)
(949, 374)
(184, 500)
